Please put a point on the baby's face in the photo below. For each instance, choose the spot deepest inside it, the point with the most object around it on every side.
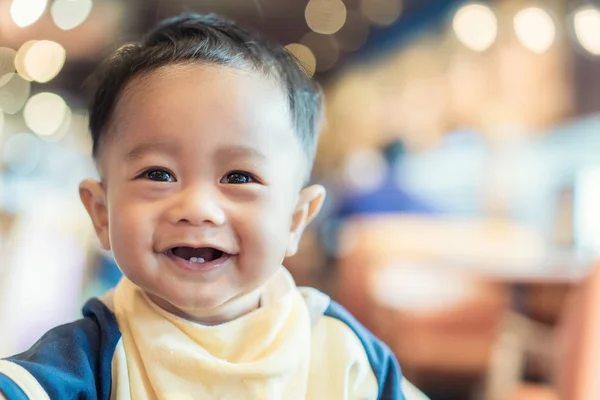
(201, 198)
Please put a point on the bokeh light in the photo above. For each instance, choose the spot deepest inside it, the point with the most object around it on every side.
(21, 152)
(325, 16)
(7, 61)
(305, 57)
(44, 60)
(354, 33)
(475, 26)
(586, 23)
(20, 59)
(4, 79)
(381, 12)
(325, 49)
(364, 170)
(45, 113)
(62, 130)
(535, 29)
(69, 14)
(14, 93)
(27, 12)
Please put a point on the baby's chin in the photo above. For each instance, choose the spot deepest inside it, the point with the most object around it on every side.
(182, 303)
(207, 310)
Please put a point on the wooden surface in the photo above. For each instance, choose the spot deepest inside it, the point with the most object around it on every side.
(437, 291)
(494, 249)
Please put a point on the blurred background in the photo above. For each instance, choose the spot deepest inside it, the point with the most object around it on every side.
(461, 155)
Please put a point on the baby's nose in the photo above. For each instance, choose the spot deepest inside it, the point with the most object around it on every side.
(198, 206)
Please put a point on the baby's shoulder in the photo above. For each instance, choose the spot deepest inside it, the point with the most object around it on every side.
(331, 320)
(341, 343)
(71, 360)
(337, 325)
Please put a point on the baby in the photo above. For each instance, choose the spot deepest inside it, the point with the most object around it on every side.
(204, 134)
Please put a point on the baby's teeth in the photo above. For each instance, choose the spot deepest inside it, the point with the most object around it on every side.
(197, 260)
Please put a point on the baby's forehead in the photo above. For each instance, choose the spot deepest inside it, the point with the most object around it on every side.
(210, 81)
(211, 91)
(204, 107)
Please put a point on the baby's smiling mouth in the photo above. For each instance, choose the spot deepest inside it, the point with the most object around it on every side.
(199, 255)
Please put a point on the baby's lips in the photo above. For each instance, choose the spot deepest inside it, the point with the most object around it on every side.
(198, 245)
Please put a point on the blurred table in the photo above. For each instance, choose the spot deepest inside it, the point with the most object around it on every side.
(537, 289)
(556, 267)
(438, 289)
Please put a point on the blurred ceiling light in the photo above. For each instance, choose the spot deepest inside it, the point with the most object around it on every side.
(44, 60)
(7, 61)
(325, 16)
(381, 12)
(62, 130)
(26, 12)
(45, 113)
(305, 56)
(535, 29)
(4, 79)
(475, 26)
(22, 152)
(14, 93)
(587, 29)
(325, 49)
(20, 59)
(69, 14)
(354, 33)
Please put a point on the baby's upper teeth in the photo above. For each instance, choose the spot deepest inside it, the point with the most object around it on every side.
(197, 259)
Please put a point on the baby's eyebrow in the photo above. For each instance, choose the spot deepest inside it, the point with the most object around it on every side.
(152, 147)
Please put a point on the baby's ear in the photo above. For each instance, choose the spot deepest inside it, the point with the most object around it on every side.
(309, 204)
(93, 197)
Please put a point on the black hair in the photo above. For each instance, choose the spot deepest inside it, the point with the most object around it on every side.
(207, 39)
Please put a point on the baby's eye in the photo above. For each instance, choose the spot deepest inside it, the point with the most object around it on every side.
(159, 175)
(237, 178)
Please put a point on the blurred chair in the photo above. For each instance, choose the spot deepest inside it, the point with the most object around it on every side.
(438, 322)
(521, 337)
(421, 284)
(579, 342)
(536, 392)
(574, 354)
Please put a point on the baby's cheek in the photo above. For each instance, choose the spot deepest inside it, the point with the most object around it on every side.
(129, 235)
(277, 233)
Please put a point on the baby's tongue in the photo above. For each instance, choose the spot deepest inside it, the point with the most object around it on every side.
(207, 253)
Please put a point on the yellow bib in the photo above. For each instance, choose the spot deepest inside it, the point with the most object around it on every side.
(262, 355)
